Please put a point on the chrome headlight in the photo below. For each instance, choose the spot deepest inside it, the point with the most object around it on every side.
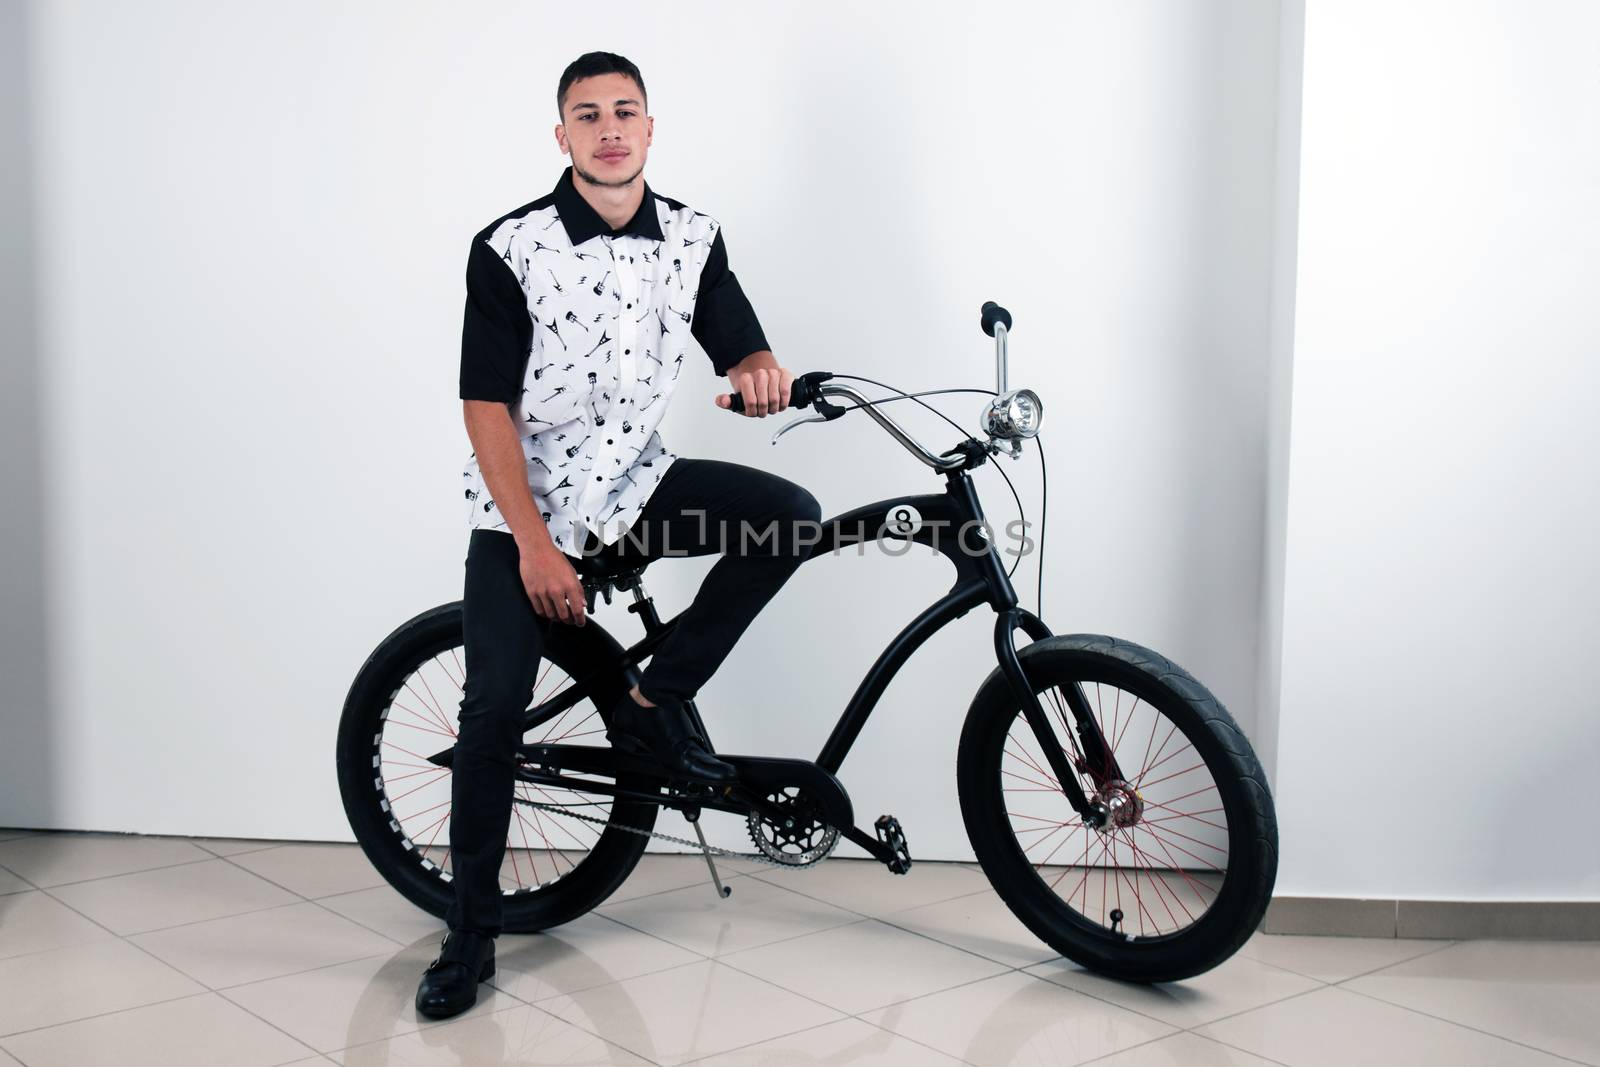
(1014, 415)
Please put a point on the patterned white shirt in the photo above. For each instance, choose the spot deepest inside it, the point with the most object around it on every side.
(582, 331)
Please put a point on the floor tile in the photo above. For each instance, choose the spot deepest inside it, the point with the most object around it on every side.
(1236, 985)
(313, 870)
(200, 1031)
(979, 923)
(886, 964)
(1333, 1027)
(34, 921)
(845, 1043)
(231, 846)
(169, 896)
(48, 988)
(1540, 993)
(1334, 959)
(1184, 1050)
(10, 883)
(589, 951)
(353, 1003)
(658, 874)
(868, 887)
(756, 914)
(1016, 1019)
(56, 859)
(523, 1036)
(263, 944)
(383, 909)
(689, 1012)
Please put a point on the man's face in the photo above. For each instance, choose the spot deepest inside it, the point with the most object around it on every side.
(605, 130)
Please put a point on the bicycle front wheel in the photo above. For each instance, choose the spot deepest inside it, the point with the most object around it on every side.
(1180, 875)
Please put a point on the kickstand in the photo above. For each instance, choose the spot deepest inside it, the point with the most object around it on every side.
(723, 892)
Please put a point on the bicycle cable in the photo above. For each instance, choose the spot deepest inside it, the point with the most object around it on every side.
(1021, 513)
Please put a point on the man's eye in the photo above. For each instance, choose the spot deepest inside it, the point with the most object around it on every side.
(585, 118)
(625, 114)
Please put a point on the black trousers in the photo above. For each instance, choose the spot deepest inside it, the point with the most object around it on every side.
(761, 523)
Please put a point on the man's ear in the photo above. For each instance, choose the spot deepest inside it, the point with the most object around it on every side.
(561, 137)
(649, 130)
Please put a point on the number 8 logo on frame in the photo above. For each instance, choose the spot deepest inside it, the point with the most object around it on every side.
(903, 520)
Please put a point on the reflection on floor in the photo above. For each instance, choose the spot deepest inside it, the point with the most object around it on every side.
(177, 951)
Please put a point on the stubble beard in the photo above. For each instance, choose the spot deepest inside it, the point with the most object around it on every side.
(592, 180)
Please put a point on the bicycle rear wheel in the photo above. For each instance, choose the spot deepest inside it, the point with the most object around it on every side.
(1181, 875)
(403, 709)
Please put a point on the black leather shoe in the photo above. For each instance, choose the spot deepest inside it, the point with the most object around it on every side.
(450, 984)
(666, 733)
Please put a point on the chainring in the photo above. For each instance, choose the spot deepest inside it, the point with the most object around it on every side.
(799, 839)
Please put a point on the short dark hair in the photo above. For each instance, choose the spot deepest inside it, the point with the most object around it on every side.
(590, 64)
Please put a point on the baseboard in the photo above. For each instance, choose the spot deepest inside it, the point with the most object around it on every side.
(1447, 919)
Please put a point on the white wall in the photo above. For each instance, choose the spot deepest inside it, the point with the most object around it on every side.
(252, 227)
(1440, 727)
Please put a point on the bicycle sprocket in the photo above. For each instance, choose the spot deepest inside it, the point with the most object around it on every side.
(798, 839)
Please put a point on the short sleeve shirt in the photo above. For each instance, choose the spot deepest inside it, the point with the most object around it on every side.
(582, 331)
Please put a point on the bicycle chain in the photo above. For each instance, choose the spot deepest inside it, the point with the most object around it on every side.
(727, 853)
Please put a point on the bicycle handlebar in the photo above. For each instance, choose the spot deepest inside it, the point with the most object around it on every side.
(807, 390)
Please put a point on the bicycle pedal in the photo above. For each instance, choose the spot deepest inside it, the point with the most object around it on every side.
(894, 839)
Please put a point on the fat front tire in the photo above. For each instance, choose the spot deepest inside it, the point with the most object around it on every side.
(1183, 876)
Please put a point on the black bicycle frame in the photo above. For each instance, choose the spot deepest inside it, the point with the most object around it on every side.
(951, 523)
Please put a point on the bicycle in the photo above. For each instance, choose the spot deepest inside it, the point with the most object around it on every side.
(1177, 859)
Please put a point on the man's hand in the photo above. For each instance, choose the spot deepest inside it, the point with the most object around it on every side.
(553, 585)
(763, 384)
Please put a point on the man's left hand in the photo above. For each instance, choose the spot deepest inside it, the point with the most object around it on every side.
(762, 382)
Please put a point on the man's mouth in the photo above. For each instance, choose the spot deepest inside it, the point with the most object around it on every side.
(612, 157)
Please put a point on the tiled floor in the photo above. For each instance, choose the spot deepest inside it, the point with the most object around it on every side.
(177, 952)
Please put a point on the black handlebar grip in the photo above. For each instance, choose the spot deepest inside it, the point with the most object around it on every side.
(993, 313)
(801, 394)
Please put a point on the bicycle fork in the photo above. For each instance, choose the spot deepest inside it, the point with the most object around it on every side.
(1096, 753)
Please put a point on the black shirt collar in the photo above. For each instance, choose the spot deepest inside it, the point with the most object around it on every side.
(583, 222)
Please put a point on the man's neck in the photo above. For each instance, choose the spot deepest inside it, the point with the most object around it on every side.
(616, 204)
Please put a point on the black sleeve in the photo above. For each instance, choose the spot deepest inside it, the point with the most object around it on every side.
(724, 322)
(496, 332)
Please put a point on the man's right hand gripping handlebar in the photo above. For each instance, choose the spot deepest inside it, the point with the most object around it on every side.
(804, 391)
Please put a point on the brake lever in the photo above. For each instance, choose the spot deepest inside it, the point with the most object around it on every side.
(828, 412)
(797, 422)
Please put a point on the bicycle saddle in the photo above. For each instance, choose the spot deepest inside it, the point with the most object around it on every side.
(603, 567)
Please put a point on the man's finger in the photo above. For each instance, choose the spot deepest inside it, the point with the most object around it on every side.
(747, 389)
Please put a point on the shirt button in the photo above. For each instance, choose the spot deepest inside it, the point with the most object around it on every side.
(609, 441)
(597, 477)
(627, 351)
(630, 305)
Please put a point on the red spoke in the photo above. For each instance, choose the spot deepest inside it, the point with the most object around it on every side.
(428, 729)
(1170, 777)
(395, 800)
(1171, 755)
(1031, 781)
(418, 814)
(1173, 800)
(408, 752)
(1024, 759)
(1146, 768)
(400, 778)
(444, 719)
(1196, 840)
(1157, 880)
(455, 679)
(1127, 723)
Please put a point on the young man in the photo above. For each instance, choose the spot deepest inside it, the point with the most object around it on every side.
(580, 309)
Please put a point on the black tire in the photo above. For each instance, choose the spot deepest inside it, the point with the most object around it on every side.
(416, 661)
(1218, 905)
